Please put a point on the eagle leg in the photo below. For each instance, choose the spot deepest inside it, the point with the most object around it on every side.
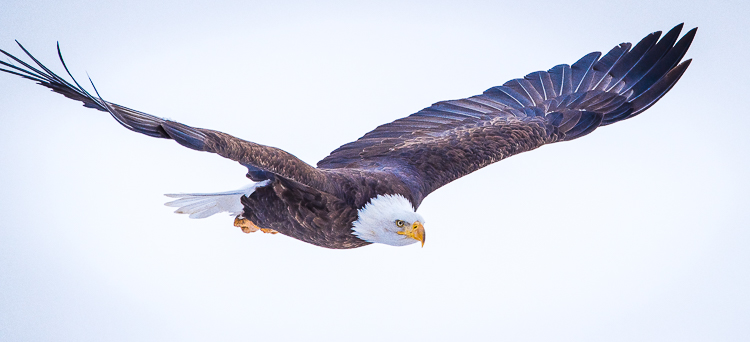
(248, 226)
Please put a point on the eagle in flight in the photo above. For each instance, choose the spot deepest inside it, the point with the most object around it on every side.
(368, 191)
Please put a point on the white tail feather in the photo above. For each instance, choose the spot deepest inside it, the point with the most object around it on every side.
(204, 205)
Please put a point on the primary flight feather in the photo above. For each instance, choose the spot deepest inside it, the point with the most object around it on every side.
(368, 191)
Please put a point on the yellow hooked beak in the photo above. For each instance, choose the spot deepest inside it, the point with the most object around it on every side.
(415, 231)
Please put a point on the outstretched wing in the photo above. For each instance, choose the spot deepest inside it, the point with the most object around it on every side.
(451, 139)
(258, 158)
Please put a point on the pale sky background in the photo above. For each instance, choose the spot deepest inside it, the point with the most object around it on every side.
(637, 232)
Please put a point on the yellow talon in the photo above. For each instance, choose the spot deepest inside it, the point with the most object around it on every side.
(248, 226)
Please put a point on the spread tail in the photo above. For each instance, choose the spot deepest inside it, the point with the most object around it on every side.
(202, 205)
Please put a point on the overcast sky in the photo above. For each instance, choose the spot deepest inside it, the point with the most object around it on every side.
(637, 232)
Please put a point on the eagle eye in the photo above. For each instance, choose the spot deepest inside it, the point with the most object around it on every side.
(399, 223)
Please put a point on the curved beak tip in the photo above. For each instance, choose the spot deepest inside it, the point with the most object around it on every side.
(419, 233)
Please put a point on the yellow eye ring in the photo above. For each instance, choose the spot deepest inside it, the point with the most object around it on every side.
(399, 223)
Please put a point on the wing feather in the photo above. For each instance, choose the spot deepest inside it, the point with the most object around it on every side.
(561, 81)
(581, 70)
(606, 63)
(507, 96)
(624, 66)
(651, 57)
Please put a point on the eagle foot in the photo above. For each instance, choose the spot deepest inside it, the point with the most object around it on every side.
(248, 226)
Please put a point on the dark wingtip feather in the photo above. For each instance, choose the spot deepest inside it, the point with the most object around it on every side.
(49, 79)
(665, 64)
(626, 64)
(653, 64)
(653, 94)
(98, 101)
(678, 27)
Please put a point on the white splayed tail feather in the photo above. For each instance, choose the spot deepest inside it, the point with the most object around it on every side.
(204, 205)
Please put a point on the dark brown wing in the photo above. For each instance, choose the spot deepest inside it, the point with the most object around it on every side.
(258, 158)
(451, 139)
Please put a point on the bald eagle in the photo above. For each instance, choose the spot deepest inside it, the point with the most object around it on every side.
(368, 191)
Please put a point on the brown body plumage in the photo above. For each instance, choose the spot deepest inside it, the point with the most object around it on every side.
(416, 155)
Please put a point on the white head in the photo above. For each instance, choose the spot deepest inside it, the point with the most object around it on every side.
(389, 219)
